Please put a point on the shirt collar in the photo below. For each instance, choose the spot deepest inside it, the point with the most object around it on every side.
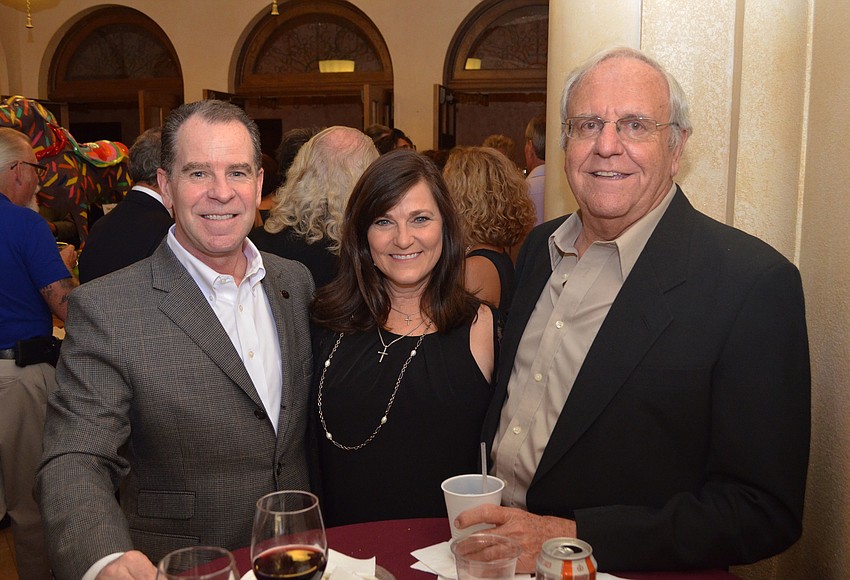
(150, 192)
(538, 171)
(205, 277)
(629, 245)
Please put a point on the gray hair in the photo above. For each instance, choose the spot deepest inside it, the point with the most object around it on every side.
(12, 144)
(145, 156)
(318, 184)
(211, 111)
(535, 132)
(678, 101)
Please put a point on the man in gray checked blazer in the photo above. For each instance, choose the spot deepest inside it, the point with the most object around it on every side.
(184, 377)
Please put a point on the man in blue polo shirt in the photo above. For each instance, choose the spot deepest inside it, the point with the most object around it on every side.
(35, 281)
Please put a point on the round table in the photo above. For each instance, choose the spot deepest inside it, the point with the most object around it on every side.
(392, 541)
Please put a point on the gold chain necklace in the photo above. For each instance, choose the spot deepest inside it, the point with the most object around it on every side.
(386, 415)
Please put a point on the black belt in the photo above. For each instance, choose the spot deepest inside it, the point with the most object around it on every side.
(7, 353)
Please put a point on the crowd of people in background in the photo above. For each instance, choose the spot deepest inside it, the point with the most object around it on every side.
(353, 317)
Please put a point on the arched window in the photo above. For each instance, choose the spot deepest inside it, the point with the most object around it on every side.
(114, 67)
(315, 47)
(501, 45)
(494, 78)
(111, 54)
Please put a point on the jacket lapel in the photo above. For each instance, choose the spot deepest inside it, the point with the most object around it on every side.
(281, 304)
(639, 314)
(187, 307)
(533, 271)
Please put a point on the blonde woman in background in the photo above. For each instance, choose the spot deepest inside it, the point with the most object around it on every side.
(503, 144)
(305, 223)
(496, 215)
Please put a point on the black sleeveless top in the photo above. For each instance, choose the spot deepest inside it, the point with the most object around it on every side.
(433, 430)
(505, 268)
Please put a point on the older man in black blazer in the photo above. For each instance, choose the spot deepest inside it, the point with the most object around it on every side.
(653, 393)
(135, 227)
(183, 377)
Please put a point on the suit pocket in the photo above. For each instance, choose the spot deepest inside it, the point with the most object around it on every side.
(156, 545)
(170, 505)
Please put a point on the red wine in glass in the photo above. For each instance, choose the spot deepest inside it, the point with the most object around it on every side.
(297, 562)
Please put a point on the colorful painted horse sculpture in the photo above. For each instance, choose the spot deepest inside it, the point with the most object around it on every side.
(78, 174)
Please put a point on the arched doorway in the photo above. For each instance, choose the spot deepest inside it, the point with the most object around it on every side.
(318, 63)
(118, 73)
(494, 74)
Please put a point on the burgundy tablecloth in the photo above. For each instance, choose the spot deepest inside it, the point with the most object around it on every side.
(392, 541)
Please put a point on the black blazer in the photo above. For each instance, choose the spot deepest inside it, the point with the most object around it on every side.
(127, 234)
(684, 442)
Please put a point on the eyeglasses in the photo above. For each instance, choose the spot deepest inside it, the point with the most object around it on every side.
(40, 170)
(629, 128)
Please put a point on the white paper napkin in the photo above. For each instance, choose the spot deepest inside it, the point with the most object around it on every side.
(438, 559)
(341, 567)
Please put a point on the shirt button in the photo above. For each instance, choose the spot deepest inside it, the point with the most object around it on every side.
(250, 354)
(517, 430)
(240, 310)
(559, 324)
(538, 377)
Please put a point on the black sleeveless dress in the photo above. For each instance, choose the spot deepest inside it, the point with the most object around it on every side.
(505, 268)
(433, 430)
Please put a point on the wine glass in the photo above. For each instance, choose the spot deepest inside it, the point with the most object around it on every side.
(288, 539)
(198, 563)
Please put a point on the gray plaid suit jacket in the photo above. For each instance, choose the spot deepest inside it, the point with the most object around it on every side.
(153, 396)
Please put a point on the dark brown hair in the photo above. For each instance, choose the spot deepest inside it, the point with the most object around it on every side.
(357, 299)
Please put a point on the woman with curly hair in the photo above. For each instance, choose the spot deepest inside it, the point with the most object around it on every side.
(496, 214)
(306, 222)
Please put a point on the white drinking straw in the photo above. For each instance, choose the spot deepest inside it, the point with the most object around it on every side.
(483, 467)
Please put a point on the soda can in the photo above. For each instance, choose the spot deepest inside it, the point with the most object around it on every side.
(566, 558)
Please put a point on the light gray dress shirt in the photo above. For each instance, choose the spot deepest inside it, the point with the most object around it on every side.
(559, 333)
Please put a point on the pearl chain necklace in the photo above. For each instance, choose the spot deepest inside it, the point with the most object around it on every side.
(386, 415)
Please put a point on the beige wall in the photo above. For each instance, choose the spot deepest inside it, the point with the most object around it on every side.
(769, 82)
(417, 39)
(825, 265)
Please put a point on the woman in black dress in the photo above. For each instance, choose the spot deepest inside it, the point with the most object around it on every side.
(407, 354)
(496, 215)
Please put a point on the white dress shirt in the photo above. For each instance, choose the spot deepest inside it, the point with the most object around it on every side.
(246, 316)
(536, 180)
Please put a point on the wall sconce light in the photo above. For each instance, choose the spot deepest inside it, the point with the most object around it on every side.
(274, 8)
(336, 66)
(29, 15)
(472, 64)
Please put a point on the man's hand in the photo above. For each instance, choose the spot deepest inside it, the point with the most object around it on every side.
(131, 565)
(527, 529)
(69, 257)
